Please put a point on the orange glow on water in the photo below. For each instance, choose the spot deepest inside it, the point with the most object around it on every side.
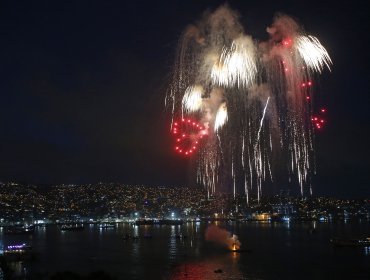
(234, 247)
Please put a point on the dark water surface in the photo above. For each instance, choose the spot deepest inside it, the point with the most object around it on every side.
(274, 251)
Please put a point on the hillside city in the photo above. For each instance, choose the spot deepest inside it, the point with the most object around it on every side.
(119, 202)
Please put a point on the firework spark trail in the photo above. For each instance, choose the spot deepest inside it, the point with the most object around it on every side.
(246, 188)
(221, 78)
(263, 116)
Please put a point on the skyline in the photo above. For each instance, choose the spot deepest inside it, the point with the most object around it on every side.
(83, 87)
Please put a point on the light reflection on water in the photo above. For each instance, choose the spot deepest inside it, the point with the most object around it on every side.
(212, 268)
(172, 244)
(367, 251)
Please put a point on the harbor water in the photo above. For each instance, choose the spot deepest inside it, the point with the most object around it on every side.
(268, 251)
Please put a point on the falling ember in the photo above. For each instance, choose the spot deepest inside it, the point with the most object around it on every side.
(318, 120)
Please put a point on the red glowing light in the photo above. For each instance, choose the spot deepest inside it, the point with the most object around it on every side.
(287, 42)
(190, 132)
(319, 121)
(306, 84)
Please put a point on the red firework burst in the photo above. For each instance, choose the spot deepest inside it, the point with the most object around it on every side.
(187, 134)
(318, 120)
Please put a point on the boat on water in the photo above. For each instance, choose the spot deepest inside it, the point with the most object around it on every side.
(340, 242)
(23, 229)
(107, 225)
(72, 227)
(159, 222)
(18, 252)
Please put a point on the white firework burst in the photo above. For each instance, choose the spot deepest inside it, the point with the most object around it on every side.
(192, 100)
(313, 53)
(237, 64)
(221, 116)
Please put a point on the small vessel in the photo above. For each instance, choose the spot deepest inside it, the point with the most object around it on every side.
(107, 225)
(72, 227)
(340, 242)
(159, 222)
(24, 229)
(236, 249)
(18, 252)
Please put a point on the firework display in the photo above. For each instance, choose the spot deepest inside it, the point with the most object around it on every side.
(187, 133)
(252, 99)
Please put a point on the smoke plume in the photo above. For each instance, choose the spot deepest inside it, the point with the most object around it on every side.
(222, 237)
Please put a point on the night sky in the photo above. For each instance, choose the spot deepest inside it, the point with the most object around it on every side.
(82, 87)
